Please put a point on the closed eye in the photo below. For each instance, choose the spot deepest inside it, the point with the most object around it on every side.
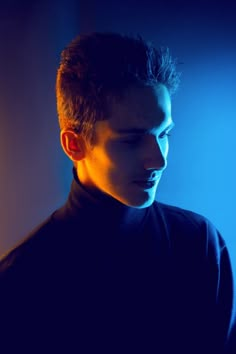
(164, 134)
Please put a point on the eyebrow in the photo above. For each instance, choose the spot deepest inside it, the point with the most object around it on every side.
(140, 130)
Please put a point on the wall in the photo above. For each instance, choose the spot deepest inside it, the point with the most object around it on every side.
(35, 175)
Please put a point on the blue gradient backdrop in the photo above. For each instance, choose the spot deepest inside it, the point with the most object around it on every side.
(35, 175)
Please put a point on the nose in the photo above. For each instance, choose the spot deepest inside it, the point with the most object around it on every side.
(156, 155)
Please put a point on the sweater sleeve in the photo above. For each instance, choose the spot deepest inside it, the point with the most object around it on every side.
(222, 284)
(227, 301)
(203, 269)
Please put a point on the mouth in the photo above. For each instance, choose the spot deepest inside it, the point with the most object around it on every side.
(146, 184)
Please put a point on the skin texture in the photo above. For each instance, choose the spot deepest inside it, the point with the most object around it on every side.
(130, 148)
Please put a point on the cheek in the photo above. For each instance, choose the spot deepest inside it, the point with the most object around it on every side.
(120, 157)
(165, 149)
(120, 168)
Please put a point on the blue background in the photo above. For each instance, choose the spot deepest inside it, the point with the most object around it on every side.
(35, 175)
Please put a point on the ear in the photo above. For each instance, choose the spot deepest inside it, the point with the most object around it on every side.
(73, 145)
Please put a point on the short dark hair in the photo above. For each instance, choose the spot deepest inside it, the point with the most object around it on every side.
(97, 66)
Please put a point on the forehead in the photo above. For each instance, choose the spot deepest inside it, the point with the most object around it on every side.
(141, 108)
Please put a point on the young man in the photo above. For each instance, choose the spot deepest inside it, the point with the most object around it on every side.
(113, 270)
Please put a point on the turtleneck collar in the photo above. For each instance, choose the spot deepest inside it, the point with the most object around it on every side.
(102, 209)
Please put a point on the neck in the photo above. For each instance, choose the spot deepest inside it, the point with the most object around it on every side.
(101, 208)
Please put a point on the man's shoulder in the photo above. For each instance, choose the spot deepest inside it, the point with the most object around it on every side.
(187, 224)
(180, 214)
(31, 245)
(45, 240)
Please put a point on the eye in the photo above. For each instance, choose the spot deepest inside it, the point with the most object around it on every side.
(164, 134)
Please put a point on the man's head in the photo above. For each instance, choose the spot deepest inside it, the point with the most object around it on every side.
(113, 100)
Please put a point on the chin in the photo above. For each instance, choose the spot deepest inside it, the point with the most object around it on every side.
(137, 200)
(140, 204)
(146, 204)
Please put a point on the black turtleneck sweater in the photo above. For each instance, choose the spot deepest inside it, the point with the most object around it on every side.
(101, 277)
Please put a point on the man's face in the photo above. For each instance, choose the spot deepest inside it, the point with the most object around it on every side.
(130, 149)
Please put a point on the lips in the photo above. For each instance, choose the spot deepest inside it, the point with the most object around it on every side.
(146, 184)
